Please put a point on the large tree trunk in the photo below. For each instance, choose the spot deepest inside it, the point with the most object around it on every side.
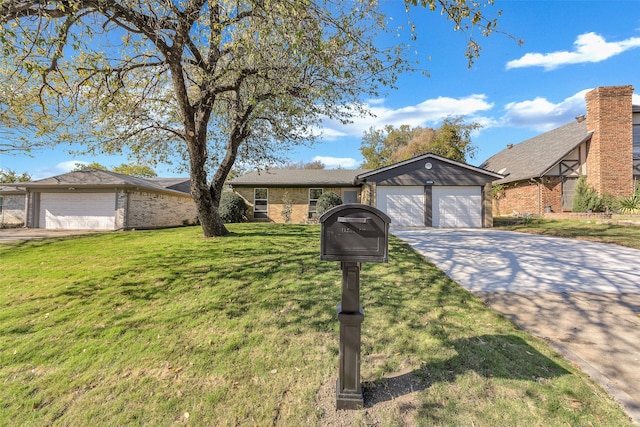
(206, 196)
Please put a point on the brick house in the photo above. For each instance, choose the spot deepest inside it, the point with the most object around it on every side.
(541, 173)
(102, 200)
(428, 190)
(272, 193)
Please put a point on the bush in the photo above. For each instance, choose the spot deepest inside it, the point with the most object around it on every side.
(586, 198)
(233, 208)
(327, 201)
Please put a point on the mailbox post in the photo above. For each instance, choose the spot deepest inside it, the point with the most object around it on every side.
(352, 234)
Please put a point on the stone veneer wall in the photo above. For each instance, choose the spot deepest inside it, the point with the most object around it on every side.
(610, 152)
(156, 210)
(13, 210)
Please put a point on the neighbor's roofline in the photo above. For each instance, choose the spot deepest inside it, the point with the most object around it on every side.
(424, 157)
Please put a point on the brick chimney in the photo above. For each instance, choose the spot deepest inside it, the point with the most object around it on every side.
(610, 152)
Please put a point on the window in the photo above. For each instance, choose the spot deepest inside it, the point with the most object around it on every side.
(636, 141)
(314, 194)
(260, 204)
(0, 205)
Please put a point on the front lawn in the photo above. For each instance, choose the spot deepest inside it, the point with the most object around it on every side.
(623, 232)
(166, 327)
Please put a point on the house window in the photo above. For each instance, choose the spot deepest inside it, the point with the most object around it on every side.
(260, 204)
(636, 141)
(0, 206)
(314, 194)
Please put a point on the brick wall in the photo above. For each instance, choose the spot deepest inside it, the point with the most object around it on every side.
(296, 197)
(13, 210)
(156, 210)
(526, 197)
(610, 152)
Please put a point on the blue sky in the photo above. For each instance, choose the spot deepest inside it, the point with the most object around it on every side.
(515, 91)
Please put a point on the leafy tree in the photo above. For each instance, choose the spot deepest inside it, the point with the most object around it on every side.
(124, 168)
(141, 171)
(379, 145)
(211, 81)
(9, 176)
(390, 145)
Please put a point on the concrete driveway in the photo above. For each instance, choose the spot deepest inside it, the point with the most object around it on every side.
(581, 297)
(17, 234)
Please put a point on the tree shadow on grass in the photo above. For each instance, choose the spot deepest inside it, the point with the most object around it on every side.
(490, 356)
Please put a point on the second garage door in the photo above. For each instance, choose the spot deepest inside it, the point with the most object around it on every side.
(404, 205)
(77, 211)
(457, 207)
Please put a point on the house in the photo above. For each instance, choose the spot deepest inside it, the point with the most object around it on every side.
(102, 200)
(290, 195)
(428, 190)
(540, 174)
(13, 201)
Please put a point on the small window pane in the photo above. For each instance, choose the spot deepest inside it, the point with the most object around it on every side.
(261, 193)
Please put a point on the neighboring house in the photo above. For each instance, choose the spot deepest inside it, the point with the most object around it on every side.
(541, 173)
(290, 195)
(428, 190)
(13, 201)
(102, 200)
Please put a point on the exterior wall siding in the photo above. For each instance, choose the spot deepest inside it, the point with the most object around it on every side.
(154, 210)
(13, 210)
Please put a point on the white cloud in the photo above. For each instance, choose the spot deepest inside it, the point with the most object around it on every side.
(427, 113)
(635, 99)
(588, 47)
(59, 169)
(337, 162)
(543, 115)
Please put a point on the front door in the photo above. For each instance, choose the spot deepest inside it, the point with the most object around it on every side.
(568, 191)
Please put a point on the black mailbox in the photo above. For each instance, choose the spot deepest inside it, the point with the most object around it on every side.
(354, 233)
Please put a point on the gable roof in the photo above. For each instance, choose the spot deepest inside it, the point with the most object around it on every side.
(363, 176)
(298, 178)
(100, 179)
(536, 156)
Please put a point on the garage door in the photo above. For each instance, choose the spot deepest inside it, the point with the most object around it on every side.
(457, 207)
(404, 205)
(77, 211)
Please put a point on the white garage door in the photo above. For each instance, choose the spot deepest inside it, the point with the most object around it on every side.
(77, 211)
(404, 205)
(457, 207)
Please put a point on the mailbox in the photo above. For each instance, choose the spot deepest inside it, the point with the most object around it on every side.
(354, 233)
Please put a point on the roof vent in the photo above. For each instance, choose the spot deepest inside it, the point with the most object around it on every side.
(581, 118)
(509, 146)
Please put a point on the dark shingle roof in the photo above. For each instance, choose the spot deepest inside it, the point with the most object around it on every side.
(298, 178)
(536, 156)
(94, 178)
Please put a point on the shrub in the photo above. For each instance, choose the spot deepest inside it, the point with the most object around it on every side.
(586, 198)
(327, 201)
(233, 208)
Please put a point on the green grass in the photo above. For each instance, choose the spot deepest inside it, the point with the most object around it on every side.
(597, 230)
(166, 327)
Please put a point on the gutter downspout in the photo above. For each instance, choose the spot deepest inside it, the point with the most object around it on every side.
(533, 180)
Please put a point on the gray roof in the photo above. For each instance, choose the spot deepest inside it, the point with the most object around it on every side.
(480, 170)
(536, 156)
(11, 189)
(94, 178)
(298, 178)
